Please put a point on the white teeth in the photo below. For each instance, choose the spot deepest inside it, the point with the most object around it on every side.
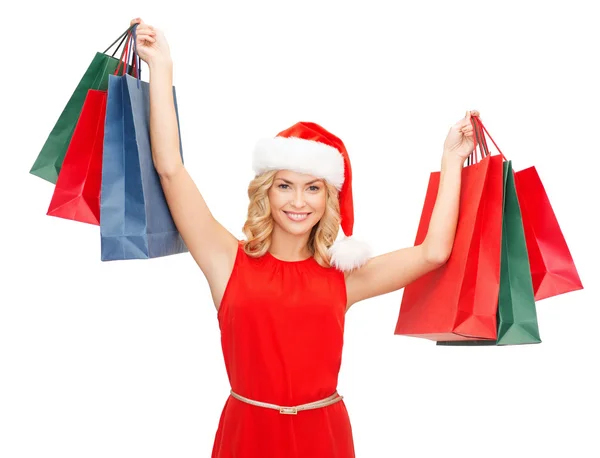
(297, 216)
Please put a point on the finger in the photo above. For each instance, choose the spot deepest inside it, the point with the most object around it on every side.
(146, 32)
(145, 28)
(147, 38)
(137, 20)
(464, 123)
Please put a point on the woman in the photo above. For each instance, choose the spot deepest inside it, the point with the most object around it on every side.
(281, 295)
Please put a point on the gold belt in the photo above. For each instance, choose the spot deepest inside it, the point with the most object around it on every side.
(335, 397)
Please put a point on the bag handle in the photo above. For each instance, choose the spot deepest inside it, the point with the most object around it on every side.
(122, 37)
(480, 131)
(137, 62)
(481, 126)
(130, 54)
(483, 140)
(123, 53)
(477, 141)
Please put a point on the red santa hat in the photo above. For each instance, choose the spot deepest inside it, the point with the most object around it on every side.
(308, 148)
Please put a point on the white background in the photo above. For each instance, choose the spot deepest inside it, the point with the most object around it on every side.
(123, 359)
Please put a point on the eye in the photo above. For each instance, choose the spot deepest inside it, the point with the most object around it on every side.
(283, 186)
(314, 188)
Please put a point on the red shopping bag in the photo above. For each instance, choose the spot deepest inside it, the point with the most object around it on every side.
(553, 271)
(77, 192)
(459, 301)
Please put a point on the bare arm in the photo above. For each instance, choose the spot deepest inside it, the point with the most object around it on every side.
(210, 244)
(393, 271)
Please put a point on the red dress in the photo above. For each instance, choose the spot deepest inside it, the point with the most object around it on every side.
(282, 328)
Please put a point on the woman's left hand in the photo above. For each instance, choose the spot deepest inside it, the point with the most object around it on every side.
(459, 141)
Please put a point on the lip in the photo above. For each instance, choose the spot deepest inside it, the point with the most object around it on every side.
(288, 213)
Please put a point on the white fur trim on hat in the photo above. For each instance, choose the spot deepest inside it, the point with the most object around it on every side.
(349, 253)
(299, 155)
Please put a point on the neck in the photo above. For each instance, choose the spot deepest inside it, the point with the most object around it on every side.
(289, 247)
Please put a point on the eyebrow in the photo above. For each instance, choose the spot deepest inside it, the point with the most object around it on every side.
(289, 182)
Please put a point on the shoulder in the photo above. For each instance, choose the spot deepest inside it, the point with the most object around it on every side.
(243, 258)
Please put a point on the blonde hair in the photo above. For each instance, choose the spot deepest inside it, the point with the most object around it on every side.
(259, 223)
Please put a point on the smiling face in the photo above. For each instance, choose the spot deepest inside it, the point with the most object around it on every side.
(298, 201)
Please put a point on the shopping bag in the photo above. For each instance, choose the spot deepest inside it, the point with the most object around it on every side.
(50, 159)
(458, 301)
(517, 316)
(77, 192)
(135, 221)
(553, 270)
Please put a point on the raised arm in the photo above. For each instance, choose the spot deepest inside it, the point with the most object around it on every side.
(393, 271)
(211, 245)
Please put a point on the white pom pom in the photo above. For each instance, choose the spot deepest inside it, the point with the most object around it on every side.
(349, 253)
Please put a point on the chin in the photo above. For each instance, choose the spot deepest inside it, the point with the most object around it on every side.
(298, 231)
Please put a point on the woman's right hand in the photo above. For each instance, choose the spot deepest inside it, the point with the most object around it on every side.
(151, 44)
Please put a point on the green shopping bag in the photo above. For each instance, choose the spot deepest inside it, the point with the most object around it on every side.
(516, 316)
(50, 159)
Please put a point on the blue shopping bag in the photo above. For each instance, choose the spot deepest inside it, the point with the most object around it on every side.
(135, 221)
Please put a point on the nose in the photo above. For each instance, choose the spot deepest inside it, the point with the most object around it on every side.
(298, 199)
